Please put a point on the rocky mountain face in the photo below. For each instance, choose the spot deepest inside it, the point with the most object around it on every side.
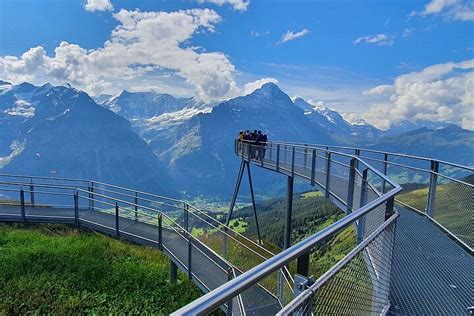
(61, 131)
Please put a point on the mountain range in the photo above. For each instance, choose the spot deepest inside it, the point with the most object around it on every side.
(163, 143)
(61, 131)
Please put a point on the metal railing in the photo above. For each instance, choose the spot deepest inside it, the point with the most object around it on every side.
(363, 192)
(440, 190)
(171, 219)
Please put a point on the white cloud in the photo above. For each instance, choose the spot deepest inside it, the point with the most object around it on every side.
(239, 5)
(450, 9)
(142, 46)
(443, 92)
(290, 35)
(379, 39)
(98, 5)
(257, 84)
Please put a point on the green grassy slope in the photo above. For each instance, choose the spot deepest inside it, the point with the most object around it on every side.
(53, 269)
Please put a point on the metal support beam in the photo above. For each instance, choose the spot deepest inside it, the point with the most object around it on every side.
(289, 211)
(236, 191)
(432, 190)
(173, 272)
(254, 205)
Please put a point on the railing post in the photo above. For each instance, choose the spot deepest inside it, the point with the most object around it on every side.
(293, 162)
(313, 167)
(363, 201)
(224, 243)
(357, 154)
(389, 207)
(230, 276)
(91, 196)
(160, 231)
(432, 190)
(286, 151)
(328, 172)
(32, 193)
(385, 160)
(271, 150)
(302, 264)
(173, 272)
(136, 205)
(249, 153)
(190, 265)
(351, 186)
(22, 204)
(278, 158)
(117, 230)
(305, 155)
(76, 208)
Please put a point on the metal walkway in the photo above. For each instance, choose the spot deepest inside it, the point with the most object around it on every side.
(420, 267)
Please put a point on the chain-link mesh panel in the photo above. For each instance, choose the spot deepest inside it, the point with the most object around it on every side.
(454, 209)
(359, 284)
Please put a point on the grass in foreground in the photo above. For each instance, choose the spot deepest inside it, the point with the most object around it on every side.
(54, 269)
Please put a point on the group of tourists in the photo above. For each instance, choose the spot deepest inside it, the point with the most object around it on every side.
(257, 141)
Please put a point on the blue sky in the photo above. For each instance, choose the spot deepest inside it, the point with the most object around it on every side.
(335, 51)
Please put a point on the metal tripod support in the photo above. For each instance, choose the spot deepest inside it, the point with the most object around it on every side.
(244, 164)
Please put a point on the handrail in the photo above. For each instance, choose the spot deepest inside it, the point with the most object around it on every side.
(217, 297)
(452, 164)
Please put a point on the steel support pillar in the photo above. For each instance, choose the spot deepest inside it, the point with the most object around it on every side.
(254, 205)
(289, 212)
(236, 191)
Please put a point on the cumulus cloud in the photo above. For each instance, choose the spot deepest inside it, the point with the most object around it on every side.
(143, 44)
(443, 93)
(98, 5)
(379, 39)
(450, 9)
(290, 35)
(239, 5)
(257, 84)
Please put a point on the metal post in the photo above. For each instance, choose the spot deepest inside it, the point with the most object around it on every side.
(289, 211)
(278, 158)
(305, 155)
(32, 193)
(389, 207)
(22, 202)
(230, 276)
(236, 191)
(224, 243)
(302, 265)
(249, 153)
(190, 246)
(76, 208)
(271, 150)
(328, 172)
(92, 196)
(160, 232)
(254, 205)
(385, 159)
(363, 201)
(136, 205)
(432, 191)
(186, 217)
(293, 162)
(173, 272)
(313, 167)
(351, 186)
(117, 231)
(357, 154)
